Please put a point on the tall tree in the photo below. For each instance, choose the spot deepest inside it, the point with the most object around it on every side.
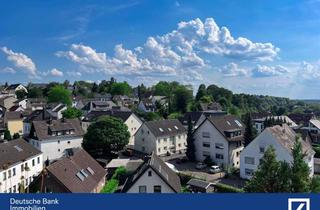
(190, 142)
(201, 92)
(59, 94)
(7, 135)
(121, 88)
(249, 133)
(105, 137)
(300, 169)
(71, 113)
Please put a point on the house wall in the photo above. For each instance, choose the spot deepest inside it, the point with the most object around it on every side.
(215, 138)
(265, 140)
(133, 123)
(15, 126)
(55, 148)
(150, 182)
(12, 183)
(145, 141)
(26, 128)
(172, 144)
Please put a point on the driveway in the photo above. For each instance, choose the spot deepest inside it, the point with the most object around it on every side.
(188, 168)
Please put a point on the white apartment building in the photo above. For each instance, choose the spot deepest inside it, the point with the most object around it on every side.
(161, 137)
(221, 139)
(20, 163)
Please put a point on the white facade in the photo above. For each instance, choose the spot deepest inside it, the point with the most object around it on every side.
(148, 182)
(55, 148)
(147, 142)
(210, 142)
(251, 155)
(13, 176)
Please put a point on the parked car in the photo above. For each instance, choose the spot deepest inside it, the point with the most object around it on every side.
(214, 169)
(201, 165)
(182, 160)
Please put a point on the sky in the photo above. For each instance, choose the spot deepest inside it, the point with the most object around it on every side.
(248, 46)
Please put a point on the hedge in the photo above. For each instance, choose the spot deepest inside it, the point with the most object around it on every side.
(111, 186)
(223, 188)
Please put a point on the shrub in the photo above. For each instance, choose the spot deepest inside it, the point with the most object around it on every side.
(223, 188)
(111, 186)
(120, 174)
(184, 178)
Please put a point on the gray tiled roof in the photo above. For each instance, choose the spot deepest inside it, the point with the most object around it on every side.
(14, 151)
(166, 127)
(65, 170)
(93, 115)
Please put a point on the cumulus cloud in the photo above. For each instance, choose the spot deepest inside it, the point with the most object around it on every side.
(56, 72)
(74, 73)
(232, 70)
(8, 70)
(21, 61)
(179, 52)
(267, 71)
(309, 71)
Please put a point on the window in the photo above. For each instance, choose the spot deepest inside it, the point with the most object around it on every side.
(261, 149)
(159, 149)
(206, 154)
(149, 173)
(143, 149)
(206, 144)
(249, 160)
(205, 134)
(22, 168)
(13, 171)
(68, 142)
(9, 174)
(219, 156)
(143, 139)
(38, 160)
(58, 150)
(4, 176)
(219, 146)
(14, 188)
(142, 189)
(58, 141)
(164, 148)
(248, 172)
(157, 189)
(33, 162)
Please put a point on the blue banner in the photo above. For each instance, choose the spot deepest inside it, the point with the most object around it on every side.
(160, 201)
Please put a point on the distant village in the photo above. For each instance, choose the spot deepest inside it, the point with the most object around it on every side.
(113, 138)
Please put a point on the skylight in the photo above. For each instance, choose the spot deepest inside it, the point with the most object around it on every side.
(84, 173)
(18, 148)
(161, 129)
(238, 123)
(90, 170)
(169, 129)
(229, 123)
(80, 176)
(176, 127)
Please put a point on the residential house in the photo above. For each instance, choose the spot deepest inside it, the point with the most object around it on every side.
(54, 137)
(282, 139)
(19, 164)
(131, 165)
(146, 105)
(198, 117)
(7, 101)
(162, 137)
(36, 115)
(129, 118)
(36, 103)
(2, 128)
(2, 111)
(314, 130)
(220, 138)
(12, 89)
(153, 176)
(302, 118)
(213, 106)
(200, 186)
(77, 172)
(56, 110)
(99, 106)
(124, 100)
(161, 100)
(14, 122)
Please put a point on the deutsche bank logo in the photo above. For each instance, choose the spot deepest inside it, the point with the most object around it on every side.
(298, 204)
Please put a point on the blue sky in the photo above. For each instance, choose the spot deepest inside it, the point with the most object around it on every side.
(260, 47)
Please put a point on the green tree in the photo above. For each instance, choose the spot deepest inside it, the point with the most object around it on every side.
(121, 88)
(201, 92)
(16, 136)
(35, 93)
(300, 169)
(266, 178)
(21, 94)
(7, 135)
(95, 88)
(71, 113)
(249, 133)
(106, 136)
(182, 97)
(59, 94)
(190, 142)
(315, 184)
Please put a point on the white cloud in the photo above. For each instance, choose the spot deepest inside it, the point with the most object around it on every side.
(179, 52)
(56, 72)
(267, 71)
(74, 73)
(8, 70)
(20, 60)
(232, 70)
(309, 71)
